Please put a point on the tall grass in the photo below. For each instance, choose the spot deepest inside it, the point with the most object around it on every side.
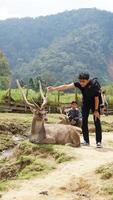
(16, 95)
(53, 96)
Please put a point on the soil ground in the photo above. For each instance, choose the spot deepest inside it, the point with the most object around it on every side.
(73, 180)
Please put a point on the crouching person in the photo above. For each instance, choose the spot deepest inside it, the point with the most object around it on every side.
(74, 115)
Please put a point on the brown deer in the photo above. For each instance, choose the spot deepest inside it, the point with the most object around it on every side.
(42, 133)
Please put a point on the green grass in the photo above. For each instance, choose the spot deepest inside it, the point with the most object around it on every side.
(16, 94)
(110, 143)
(64, 97)
(32, 160)
(53, 118)
(56, 151)
(5, 141)
(108, 189)
(26, 119)
(16, 118)
(105, 171)
(35, 168)
(105, 178)
(2, 94)
(4, 185)
(53, 96)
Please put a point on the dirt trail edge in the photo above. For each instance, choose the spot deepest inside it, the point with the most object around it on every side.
(44, 188)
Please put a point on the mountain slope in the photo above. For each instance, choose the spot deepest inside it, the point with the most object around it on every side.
(84, 49)
(59, 46)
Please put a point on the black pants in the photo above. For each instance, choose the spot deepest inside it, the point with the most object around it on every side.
(85, 114)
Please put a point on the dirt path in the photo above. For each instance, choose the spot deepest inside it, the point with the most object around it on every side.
(89, 158)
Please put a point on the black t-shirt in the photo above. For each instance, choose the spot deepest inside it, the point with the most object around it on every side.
(89, 92)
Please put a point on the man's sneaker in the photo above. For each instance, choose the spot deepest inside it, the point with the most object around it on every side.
(99, 145)
(84, 143)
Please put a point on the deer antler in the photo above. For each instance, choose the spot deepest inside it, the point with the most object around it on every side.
(37, 106)
(45, 98)
(24, 96)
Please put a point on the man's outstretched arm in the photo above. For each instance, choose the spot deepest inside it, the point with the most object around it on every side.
(61, 87)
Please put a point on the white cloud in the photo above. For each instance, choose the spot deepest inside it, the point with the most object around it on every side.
(34, 8)
(3, 13)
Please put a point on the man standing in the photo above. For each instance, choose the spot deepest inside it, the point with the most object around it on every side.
(91, 101)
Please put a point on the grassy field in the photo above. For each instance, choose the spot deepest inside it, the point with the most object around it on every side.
(53, 96)
(105, 173)
(107, 121)
(52, 118)
(31, 160)
(16, 95)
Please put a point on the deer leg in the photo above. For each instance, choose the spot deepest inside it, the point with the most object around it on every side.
(36, 138)
(71, 145)
(49, 141)
(42, 141)
(75, 139)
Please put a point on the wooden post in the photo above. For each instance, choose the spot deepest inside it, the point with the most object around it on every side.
(58, 97)
(9, 96)
(27, 90)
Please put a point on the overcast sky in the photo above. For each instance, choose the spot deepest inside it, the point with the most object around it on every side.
(34, 8)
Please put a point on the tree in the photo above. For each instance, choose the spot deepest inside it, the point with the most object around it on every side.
(31, 83)
(5, 74)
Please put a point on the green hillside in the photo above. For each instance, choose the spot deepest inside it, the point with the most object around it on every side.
(81, 50)
(58, 47)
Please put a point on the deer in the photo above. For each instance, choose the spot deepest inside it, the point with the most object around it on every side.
(44, 133)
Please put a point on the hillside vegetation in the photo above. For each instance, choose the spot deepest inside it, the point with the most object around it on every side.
(4, 72)
(58, 47)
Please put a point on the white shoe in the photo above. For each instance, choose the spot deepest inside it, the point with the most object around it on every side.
(99, 145)
(84, 143)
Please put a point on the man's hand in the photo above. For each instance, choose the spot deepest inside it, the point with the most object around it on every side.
(96, 115)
